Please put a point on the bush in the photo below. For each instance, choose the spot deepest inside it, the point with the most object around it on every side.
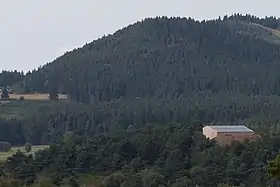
(114, 180)
(152, 178)
(21, 98)
(5, 94)
(28, 147)
(5, 146)
(9, 182)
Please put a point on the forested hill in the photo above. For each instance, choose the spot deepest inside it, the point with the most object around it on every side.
(170, 58)
(152, 85)
(8, 78)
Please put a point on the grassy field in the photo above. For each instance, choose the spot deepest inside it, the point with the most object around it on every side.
(276, 32)
(35, 148)
(36, 96)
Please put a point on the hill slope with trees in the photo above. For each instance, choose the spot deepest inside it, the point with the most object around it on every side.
(138, 99)
(170, 58)
(160, 70)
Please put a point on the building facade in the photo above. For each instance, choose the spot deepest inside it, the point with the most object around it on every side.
(224, 135)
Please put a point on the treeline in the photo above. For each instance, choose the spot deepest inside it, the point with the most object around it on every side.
(12, 131)
(172, 155)
(126, 91)
(168, 58)
(268, 21)
(9, 78)
(42, 124)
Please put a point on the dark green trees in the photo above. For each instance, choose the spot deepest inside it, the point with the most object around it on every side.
(53, 95)
(126, 89)
(5, 146)
(5, 93)
(274, 168)
(169, 58)
(10, 78)
(28, 147)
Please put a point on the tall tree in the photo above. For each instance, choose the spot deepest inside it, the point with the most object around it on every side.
(274, 168)
(53, 92)
(5, 93)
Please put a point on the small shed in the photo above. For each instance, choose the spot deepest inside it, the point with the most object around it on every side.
(227, 134)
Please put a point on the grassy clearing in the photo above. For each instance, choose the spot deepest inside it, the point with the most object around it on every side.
(268, 34)
(36, 96)
(90, 180)
(35, 148)
(276, 32)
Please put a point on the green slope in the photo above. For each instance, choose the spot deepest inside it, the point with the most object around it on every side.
(167, 58)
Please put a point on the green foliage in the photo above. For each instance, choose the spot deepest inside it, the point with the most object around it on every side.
(5, 146)
(69, 139)
(274, 168)
(44, 183)
(183, 182)
(4, 182)
(28, 147)
(204, 67)
(9, 78)
(11, 131)
(5, 93)
(53, 95)
(172, 155)
(169, 58)
(114, 180)
(137, 99)
(151, 178)
(21, 98)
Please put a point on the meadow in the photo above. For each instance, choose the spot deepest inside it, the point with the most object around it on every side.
(36, 96)
(14, 107)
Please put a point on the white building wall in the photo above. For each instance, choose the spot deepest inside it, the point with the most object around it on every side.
(209, 132)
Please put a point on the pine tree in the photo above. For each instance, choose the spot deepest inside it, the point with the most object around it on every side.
(5, 93)
(53, 94)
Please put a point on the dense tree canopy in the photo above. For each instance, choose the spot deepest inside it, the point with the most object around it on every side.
(10, 78)
(167, 155)
(138, 101)
(4, 93)
(170, 58)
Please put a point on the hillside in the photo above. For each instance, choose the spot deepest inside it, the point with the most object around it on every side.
(162, 71)
(139, 99)
(169, 58)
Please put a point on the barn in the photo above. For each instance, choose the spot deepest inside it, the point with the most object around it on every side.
(224, 135)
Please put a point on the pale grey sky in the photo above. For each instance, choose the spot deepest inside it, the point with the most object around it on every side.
(34, 32)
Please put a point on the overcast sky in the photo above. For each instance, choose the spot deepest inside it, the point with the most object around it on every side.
(34, 32)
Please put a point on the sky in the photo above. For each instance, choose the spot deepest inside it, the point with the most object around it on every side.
(33, 33)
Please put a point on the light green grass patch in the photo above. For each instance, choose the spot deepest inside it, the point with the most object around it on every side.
(90, 180)
(35, 148)
(276, 32)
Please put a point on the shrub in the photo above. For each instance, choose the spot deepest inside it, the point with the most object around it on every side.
(28, 147)
(5, 94)
(21, 98)
(4, 182)
(114, 180)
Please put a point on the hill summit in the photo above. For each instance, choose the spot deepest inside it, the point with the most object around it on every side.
(170, 58)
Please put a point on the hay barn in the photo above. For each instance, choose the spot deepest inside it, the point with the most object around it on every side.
(224, 135)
